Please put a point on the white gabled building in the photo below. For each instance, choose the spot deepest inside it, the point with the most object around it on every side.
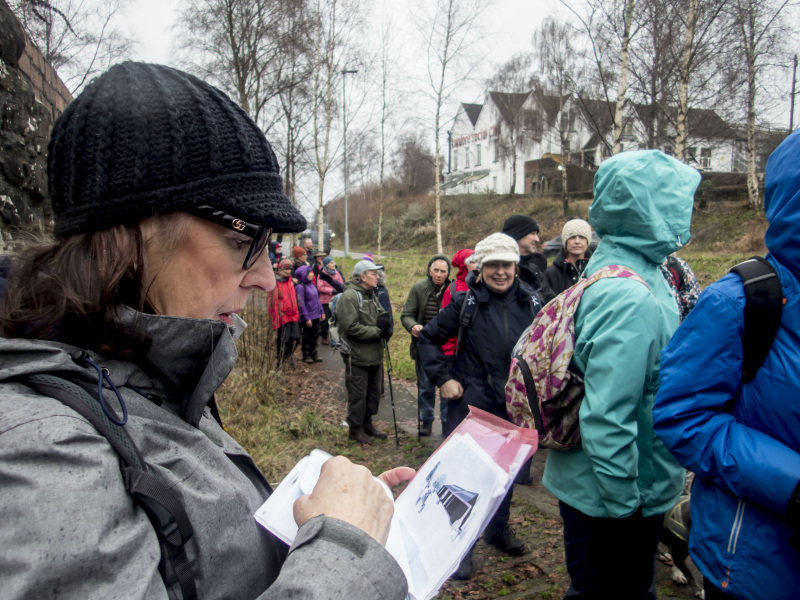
(512, 135)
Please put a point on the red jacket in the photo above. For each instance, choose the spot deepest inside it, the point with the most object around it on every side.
(449, 347)
(283, 304)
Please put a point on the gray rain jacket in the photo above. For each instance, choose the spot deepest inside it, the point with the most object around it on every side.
(69, 528)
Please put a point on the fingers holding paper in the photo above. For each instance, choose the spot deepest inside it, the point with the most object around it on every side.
(349, 493)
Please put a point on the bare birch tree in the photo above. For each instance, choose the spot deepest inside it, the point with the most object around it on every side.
(79, 38)
(446, 28)
(557, 58)
(761, 34)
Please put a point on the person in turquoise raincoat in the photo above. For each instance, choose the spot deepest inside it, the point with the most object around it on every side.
(743, 439)
(613, 489)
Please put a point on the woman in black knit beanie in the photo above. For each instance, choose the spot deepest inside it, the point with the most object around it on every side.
(117, 479)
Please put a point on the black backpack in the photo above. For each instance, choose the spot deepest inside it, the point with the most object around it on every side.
(762, 311)
(161, 503)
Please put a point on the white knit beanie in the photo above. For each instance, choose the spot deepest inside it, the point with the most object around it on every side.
(499, 247)
(576, 227)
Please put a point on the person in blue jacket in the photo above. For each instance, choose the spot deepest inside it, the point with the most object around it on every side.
(615, 486)
(742, 440)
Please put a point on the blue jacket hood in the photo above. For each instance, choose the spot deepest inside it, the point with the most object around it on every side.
(644, 200)
(782, 202)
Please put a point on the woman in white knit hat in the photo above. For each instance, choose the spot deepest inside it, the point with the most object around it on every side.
(499, 307)
(568, 266)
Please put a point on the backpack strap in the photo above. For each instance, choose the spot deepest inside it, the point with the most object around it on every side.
(161, 503)
(468, 308)
(762, 311)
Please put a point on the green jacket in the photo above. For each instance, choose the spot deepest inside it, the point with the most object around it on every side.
(642, 211)
(414, 308)
(358, 325)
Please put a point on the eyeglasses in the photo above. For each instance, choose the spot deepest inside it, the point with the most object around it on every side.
(260, 235)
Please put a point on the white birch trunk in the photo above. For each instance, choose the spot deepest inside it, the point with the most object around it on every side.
(623, 76)
(683, 95)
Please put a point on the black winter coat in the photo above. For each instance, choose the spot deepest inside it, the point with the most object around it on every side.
(562, 275)
(530, 273)
(483, 359)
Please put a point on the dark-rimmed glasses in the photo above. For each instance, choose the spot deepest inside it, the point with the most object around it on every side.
(260, 235)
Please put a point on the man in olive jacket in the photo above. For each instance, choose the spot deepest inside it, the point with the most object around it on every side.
(423, 303)
(363, 325)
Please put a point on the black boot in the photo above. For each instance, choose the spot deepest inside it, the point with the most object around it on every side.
(369, 428)
(465, 570)
(508, 542)
(425, 428)
(359, 435)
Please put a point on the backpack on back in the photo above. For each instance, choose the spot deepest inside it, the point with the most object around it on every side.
(542, 392)
(337, 343)
(762, 312)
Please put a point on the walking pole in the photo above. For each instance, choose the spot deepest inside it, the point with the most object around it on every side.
(391, 393)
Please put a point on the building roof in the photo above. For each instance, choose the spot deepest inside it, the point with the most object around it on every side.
(473, 111)
(508, 103)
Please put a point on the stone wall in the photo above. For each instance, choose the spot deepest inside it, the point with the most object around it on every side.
(31, 98)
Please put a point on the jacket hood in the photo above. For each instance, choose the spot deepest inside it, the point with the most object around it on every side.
(459, 262)
(643, 200)
(187, 361)
(302, 274)
(782, 202)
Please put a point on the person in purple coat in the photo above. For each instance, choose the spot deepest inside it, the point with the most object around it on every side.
(311, 312)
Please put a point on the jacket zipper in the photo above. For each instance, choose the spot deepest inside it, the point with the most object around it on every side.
(737, 527)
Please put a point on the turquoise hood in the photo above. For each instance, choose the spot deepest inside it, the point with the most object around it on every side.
(640, 202)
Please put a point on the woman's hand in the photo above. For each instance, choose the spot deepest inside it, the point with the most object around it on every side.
(348, 492)
(451, 390)
(309, 323)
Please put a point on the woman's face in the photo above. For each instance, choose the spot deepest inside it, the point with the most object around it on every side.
(202, 277)
(332, 265)
(498, 276)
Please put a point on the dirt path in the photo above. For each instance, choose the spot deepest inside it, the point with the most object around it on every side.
(541, 572)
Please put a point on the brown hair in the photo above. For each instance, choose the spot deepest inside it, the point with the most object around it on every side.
(71, 289)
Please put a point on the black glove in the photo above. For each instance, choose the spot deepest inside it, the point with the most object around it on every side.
(386, 325)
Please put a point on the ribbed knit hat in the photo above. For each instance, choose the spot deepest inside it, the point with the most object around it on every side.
(497, 246)
(518, 226)
(576, 227)
(298, 252)
(144, 139)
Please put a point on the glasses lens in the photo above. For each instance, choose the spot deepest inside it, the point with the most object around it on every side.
(260, 241)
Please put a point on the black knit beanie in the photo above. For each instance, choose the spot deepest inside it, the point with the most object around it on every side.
(144, 139)
(518, 226)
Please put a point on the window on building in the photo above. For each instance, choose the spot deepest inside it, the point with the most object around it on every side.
(705, 158)
(691, 153)
(478, 156)
(494, 183)
(627, 129)
(466, 158)
(455, 160)
(565, 147)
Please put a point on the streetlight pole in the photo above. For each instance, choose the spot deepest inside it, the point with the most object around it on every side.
(344, 113)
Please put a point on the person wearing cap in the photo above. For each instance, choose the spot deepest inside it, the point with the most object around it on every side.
(284, 313)
(504, 306)
(422, 304)
(364, 327)
(568, 266)
(614, 488)
(275, 254)
(532, 264)
(116, 332)
(330, 282)
(299, 257)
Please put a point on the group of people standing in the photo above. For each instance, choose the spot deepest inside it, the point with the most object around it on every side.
(299, 304)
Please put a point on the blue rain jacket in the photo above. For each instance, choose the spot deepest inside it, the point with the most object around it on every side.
(742, 441)
(642, 211)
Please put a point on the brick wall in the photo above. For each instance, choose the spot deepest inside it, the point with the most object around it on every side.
(31, 97)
